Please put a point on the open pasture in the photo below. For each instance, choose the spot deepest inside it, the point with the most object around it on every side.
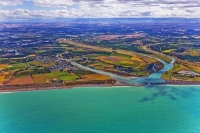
(168, 50)
(94, 77)
(17, 66)
(122, 61)
(65, 76)
(100, 66)
(80, 73)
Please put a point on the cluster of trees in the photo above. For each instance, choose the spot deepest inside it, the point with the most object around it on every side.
(180, 50)
(124, 69)
(189, 57)
(31, 71)
(162, 47)
(53, 51)
(109, 81)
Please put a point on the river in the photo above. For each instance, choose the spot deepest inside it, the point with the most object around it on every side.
(155, 77)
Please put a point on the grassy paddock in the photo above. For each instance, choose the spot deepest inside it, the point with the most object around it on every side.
(65, 76)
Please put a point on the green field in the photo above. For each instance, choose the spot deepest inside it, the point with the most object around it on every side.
(65, 76)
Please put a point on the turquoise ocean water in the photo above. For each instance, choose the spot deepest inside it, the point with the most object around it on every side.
(152, 109)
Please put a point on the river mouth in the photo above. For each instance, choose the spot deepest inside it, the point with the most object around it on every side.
(155, 77)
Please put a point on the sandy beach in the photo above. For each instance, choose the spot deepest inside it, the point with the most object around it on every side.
(35, 87)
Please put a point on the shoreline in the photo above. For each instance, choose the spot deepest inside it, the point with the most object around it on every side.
(38, 87)
(172, 82)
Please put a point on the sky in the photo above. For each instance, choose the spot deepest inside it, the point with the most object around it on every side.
(51, 9)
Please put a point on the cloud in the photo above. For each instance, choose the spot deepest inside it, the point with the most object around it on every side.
(103, 8)
(10, 2)
(53, 3)
(27, 14)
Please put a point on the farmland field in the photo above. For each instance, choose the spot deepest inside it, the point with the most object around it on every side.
(123, 61)
(17, 66)
(37, 63)
(2, 66)
(82, 72)
(2, 77)
(43, 78)
(177, 68)
(20, 81)
(162, 57)
(91, 77)
(120, 51)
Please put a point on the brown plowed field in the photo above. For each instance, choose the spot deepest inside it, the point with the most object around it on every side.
(20, 81)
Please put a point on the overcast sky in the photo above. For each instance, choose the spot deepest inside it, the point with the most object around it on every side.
(27, 9)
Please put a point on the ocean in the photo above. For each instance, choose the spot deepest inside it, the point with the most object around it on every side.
(150, 109)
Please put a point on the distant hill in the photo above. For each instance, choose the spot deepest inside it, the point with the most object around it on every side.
(114, 20)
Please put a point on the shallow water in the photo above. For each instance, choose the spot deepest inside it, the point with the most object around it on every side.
(152, 109)
(156, 76)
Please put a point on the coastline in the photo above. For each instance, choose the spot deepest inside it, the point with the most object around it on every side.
(172, 82)
(37, 87)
